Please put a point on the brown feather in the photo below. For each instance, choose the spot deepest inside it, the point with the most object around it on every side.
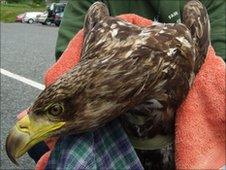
(123, 66)
(139, 73)
(131, 71)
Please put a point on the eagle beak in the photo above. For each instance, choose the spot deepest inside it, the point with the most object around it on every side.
(26, 133)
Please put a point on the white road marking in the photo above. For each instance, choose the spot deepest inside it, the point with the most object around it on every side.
(22, 79)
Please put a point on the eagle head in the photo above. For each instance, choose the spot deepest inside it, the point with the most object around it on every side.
(51, 114)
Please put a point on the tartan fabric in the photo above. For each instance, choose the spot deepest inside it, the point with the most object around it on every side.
(107, 147)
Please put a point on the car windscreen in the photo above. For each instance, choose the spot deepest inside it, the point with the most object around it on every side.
(59, 8)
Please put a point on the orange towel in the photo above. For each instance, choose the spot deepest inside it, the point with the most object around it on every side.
(200, 122)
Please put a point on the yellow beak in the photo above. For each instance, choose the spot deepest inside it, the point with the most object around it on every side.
(26, 133)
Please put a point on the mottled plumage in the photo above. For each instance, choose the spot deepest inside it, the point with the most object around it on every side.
(122, 66)
(132, 71)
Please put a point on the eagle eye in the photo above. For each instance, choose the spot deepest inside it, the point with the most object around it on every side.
(56, 109)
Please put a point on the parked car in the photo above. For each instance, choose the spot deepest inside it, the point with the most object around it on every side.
(53, 10)
(20, 17)
(30, 17)
(42, 18)
(58, 18)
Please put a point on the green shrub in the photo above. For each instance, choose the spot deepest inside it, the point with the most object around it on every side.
(9, 11)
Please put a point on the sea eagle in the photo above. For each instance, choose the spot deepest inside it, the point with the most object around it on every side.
(138, 73)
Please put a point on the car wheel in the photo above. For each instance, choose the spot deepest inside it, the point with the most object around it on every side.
(48, 22)
(30, 21)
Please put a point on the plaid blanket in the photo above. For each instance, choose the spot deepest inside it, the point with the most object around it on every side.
(105, 148)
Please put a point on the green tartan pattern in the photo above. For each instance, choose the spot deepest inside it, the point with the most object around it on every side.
(105, 148)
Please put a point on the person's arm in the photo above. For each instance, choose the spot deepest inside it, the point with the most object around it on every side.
(216, 11)
(72, 22)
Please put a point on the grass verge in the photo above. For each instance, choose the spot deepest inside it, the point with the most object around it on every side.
(8, 12)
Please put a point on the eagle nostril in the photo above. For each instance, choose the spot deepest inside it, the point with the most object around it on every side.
(24, 128)
(23, 124)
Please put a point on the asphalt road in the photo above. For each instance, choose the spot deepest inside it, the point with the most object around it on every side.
(26, 50)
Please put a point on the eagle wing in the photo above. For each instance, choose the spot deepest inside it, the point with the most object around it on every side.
(125, 65)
